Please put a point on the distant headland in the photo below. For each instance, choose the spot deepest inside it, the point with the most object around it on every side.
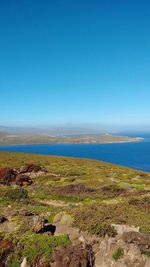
(16, 139)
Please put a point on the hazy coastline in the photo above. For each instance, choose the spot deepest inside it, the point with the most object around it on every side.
(81, 139)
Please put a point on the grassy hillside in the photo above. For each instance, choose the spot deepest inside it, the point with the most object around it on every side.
(91, 194)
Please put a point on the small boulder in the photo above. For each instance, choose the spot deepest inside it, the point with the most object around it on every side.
(38, 224)
(66, 219)
(63, 218)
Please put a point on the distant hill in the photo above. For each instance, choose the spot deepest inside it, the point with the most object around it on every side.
(54, 131)
(14, 139)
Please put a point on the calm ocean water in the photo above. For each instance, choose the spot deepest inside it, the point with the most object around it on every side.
(134, 155)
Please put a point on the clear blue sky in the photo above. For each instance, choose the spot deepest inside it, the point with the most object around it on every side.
(75, 61)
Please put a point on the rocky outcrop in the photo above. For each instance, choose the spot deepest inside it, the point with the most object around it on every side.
(22, 176)
(74, 256)
(142, 241)
(32, 170)
(10, 177)
(107, 255)
(29, 168)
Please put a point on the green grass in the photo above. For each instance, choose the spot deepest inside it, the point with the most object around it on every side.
(118, 254)
(32, 245)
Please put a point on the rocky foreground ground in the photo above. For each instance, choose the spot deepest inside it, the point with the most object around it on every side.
(65, 212)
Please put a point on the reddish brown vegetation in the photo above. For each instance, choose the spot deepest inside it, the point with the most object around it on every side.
(75, 189)
(6, 247)
(112, 191)
(142, 202)
(7, 176)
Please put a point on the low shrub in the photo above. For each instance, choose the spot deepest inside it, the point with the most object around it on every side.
(97, 219)
(17, 194)
(112, 190)
(145, 201)
(90, 219)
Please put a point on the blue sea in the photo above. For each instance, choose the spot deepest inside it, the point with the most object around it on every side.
(134, 155)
